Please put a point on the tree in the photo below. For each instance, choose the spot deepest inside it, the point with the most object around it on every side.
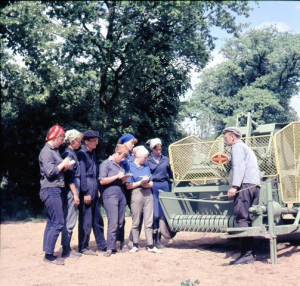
(260, 75)
(142, 58)
(113, 66)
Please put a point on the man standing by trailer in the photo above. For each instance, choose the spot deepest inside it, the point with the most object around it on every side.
(245, 177)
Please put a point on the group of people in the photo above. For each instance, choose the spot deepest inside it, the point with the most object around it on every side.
(130, 176)
(69, 183)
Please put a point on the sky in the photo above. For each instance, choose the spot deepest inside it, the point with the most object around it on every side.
(284, 14)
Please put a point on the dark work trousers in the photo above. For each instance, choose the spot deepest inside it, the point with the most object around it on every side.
(90, 217)
(157, 210)
(242, 202)
(52, 198)
(114, 203)
(121, 234)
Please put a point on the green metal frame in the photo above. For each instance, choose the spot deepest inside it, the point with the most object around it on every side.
(184, 211)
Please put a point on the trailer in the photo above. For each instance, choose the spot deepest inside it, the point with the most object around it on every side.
(198, 200)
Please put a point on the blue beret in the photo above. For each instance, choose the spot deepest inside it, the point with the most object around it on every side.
(125, 138)
(90, 134)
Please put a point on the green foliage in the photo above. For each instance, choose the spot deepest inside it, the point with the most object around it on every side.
(260, 75)
(113, 66)
(189, 283)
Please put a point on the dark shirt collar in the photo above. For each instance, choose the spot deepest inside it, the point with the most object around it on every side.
(70, 150)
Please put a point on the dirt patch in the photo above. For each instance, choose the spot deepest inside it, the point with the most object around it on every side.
(194, 256)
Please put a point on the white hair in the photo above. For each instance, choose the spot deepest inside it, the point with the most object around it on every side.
(71, 135)
(140, 151)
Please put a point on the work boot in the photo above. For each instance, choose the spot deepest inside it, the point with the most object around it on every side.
(89, 252)
(247, 258)
(246, 244)
(50, 258)
(102, 249)
(74, 253)
(108, 253)
(69, 253)
(123, 247)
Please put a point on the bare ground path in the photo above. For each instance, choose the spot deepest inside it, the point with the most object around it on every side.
(194, 256)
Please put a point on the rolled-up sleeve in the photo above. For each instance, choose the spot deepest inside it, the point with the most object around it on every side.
(103, 170)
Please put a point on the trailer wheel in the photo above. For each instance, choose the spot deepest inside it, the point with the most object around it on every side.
(165, 229)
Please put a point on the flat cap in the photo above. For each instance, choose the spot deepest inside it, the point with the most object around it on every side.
(90, 134)
(236, 131)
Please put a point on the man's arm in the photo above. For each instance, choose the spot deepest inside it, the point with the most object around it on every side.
(84, 188)
(238, 165)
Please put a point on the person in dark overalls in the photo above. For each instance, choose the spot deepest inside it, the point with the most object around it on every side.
(89, 208)
(245, 177)
(112, 177)
(160, 175)
(52, 168)
(71, 197)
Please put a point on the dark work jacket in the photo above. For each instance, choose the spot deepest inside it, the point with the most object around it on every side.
(49, 159)
(160, 172)
(88, 172)
(73, 172)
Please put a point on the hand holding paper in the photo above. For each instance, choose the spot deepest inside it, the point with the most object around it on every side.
(124, 176)
(145, 180)
(71, 163)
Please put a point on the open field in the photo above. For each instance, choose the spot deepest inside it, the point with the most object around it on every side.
(194, 256)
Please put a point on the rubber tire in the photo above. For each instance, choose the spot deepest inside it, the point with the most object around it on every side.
(165, 229)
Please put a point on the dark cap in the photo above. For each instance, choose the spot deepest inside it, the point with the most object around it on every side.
(234, 130)
(90, 134)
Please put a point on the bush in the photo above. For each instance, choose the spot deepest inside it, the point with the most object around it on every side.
(189, 283)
